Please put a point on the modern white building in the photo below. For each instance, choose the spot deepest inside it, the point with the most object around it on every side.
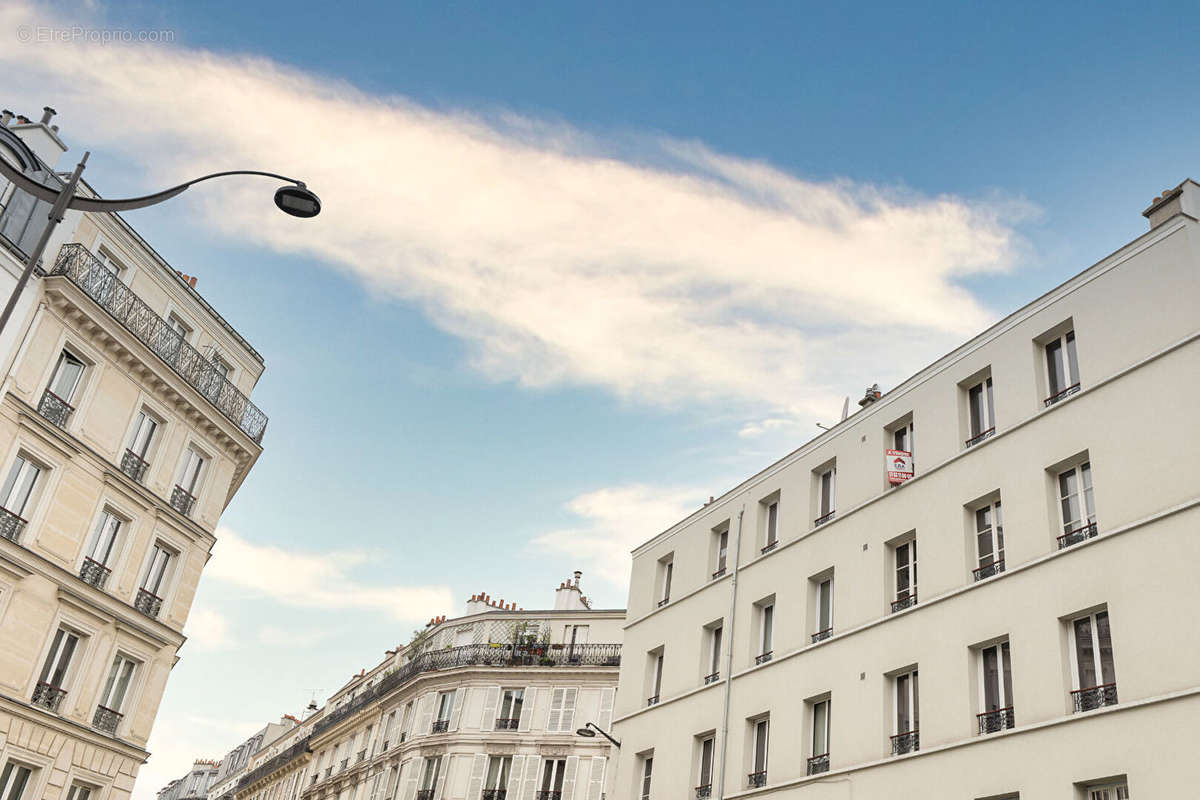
(979, 585)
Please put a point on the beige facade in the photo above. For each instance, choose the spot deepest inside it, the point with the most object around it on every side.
(782, 641)
(124, 432)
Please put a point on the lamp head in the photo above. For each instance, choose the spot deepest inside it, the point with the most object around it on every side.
(297, 201)
(588, 732)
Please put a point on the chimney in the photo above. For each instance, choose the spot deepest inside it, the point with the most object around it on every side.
(47, 114)
(5, 117)
(569, 597)
(1183, 199)
(871, 396)
(40, 137)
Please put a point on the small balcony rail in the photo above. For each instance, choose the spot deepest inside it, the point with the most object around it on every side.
(908, 600)
(94, 573)
(383, 748)
(704, 792)
(548, 794)
(328, 771)
(345, 765)
(81, 268)
(663, 602)
(713, 678)
(11, 525)
(756, 779)
(48, 696)
(106, 720)
(182, 501)
(425, 794)
(148, 603)
(362, 755)
(1094, 697)
(1076, 536)
(988, 570)
(763, 658)
(440, 726)
(508, 724)
(769, 546)
(652, 701)
(1067, 392)
(996, 720)
(979, 437)
(316, 777)
(821, 520)
(55, 409)
(494, 794)
(818, 764)
(821, 636)
(907, 742)
(718, 573)
(134, 465)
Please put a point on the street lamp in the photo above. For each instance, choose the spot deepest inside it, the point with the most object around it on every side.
(296, 200)
(590, 730)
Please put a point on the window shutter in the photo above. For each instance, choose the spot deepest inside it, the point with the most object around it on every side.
(554, 718)
(410, 780)
(527, 710)
(475, 785)
(460, 697)
(604, 718)
(491, 702)
(393, 783)
(529, 785)
(441, 778)
(514, 777)
(596, 779)
(568, 790)
(566, 722)
(425, 720)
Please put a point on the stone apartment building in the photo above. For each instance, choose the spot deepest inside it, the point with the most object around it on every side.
(125, 430)
(782, 642)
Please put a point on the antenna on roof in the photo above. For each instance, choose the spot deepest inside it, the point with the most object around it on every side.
(846, 407)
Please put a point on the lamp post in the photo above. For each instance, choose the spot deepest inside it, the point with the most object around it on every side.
(296, 200)
(591, 729)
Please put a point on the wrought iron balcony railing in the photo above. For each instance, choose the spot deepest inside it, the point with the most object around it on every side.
(267, 767)
(425, 794)
(821, 520)
(718, 573)
(663, 602)
(704, 791)
(362, 755)
(769, 546)
(55, 409)
(1076, 536)
(713, 678)
(345, 764)
(48, 696)
(908, 600)
(94, 573)
(134, 465)
(996, 720)
(757, 779)
(988, 570)
(818, 764)
(328, 771)
(1067, 392)
(1093, 697)
(106, 720)
(979, 437)
(907, 742)
(821, 636)
(508, 724)
(11, 525)
(549, 794)
(182, 501)
(383, 748)
(494, 794)
(81, 268)
(763, 658)
(148, 603)
(652, 701)
(440, 726)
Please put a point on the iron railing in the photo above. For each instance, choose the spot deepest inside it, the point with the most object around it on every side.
(713, 678)
(55, 409)
(1067, 392)
(182, 500)
(979, 437)
(763, 658)
(106, 720)
(704, 792)
(362, 755)
(48, 696)
(81, 268)
(494, 794)
(345, 765)
(508, 724)
(497, 655)
(1076, 536)
(907, 601)
(769, 546)
(134, 465)
(907, 742)
(818, 764)
(996, 720)
(663, 602)
(267, 767)
(94, 573)
(549, 794)
(425, 794)
(821, 636)
(383, 748)
(652, 701)
(1093, 697)
(821, 520)
(11, 525)
(757, 779)
(988, 570)
(440, 726)
(718, 573)
(148, 603)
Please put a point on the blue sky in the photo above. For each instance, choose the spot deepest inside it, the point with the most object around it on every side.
(581, 266)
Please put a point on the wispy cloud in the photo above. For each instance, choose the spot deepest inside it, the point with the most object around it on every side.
(207, 630)
(657, 269)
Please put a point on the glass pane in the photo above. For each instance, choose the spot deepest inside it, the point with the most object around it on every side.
(825, 616)
(916, 702)
(826, 493)
(902, 709)
(716, 650)
(760, 746)
(66, 376)
(772, 521)
(706, 754)
(975, 400)
(1007, 663)
(820, 728)
(1085, 653)
(1104, 638)
(991, 680)
(1072, 359)
(991, 408)
(768, 626)
(1054, 367)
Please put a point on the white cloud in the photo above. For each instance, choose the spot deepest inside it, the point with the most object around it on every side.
(323, 580)
(207, 630)
(663, 271)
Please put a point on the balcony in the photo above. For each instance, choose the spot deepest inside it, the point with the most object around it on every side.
(908, 600)
(508, 724)
(663, 602)
(11, 525)
(704, 792)
(425, 794)
(134, 465)
(652, 701)
(996, 720)
(818, 764)
(988, 570)
(763, 658)
(106, 720)
(821, 636)
(756, 779)
(1067, 392)
(440, 726)
(494, 794)
(713, 678)
(719, 573)
(1094, 697)
(148, 603)
(1076, 536)
(769, 546)
(55, 409)
(81, 268)
(907, 742)
(821, 520)
(182, 501)
(979, 437)
(549, 794)
(48, 696)
(94, 573)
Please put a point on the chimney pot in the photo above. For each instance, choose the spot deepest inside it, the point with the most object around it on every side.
(5, 117)
(22, 119)
(47, 114)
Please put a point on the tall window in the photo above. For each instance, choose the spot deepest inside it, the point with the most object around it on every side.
(704, 779)
(135, 461)
(95, 569)
(908, 715)
(193, 467)
(67, 373)
(722, 537)
(758, 772)
(656, 678)
(116, 688)
(1062, 368)
(221, 366)
(824, 619)
(13, 781)
(826, 495)
(1078, 506)
(49, 691)
(772, 537)
(510, 709)
(552, 778)
(995, 668)
(989, 541)
(179, 326)
(445, 708)
(429, 779)
(766, 632)
(982, 411)
(496, 782)
(818, 760)
(1109, 791)
(18, 486)
(668, 572)
(153, 586)
(902, 438)
(408, 720)
(1095, 677)
(906, 575)
(79, 791)
(647, 771)
(715, 635)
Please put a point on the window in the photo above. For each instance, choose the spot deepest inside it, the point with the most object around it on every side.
(906, 575)
(818, 760)
(135, 460)
(13, 781)
(704, 774)
(908, 716)
(510, 710)
(989, 541)
(715, 634)
(445, 708)
(110, 263)
(1078, 506)
(1109, 791)
(758, 767)
(112, 700)
(722, 550)
(179, 326)
(826, 495)
(149, 595)
(15, 494)
(79, 791)
(900, 466)
(995, 669)
(666, 569)
(221, 366)
(824, 608)
(184, 497)
(562, 709)
(647, 770)
(656, 676)
(49, 691)
(552, 778)
(981, 412)
(429, 779)
(496, 783)
(408, 720)
(95, 568)
(902, 438)
(766, 632)
(67, 373)
(386, 736)
(576, 634)
(1062, 368)
(772, 522)
(1092, 656)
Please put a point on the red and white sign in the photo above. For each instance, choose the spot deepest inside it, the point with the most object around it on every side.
(899, 466)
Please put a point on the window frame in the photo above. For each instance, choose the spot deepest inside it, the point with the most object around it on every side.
(913, 694)
(1068, 358)
(981, 413)
(995, 532)
(1004, 689)
(1098, 667)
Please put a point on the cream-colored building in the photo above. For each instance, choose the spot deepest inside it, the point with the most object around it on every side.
(480, 707)
(782, 642)
(125, 430)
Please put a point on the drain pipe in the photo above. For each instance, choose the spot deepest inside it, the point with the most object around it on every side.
(737, 557)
